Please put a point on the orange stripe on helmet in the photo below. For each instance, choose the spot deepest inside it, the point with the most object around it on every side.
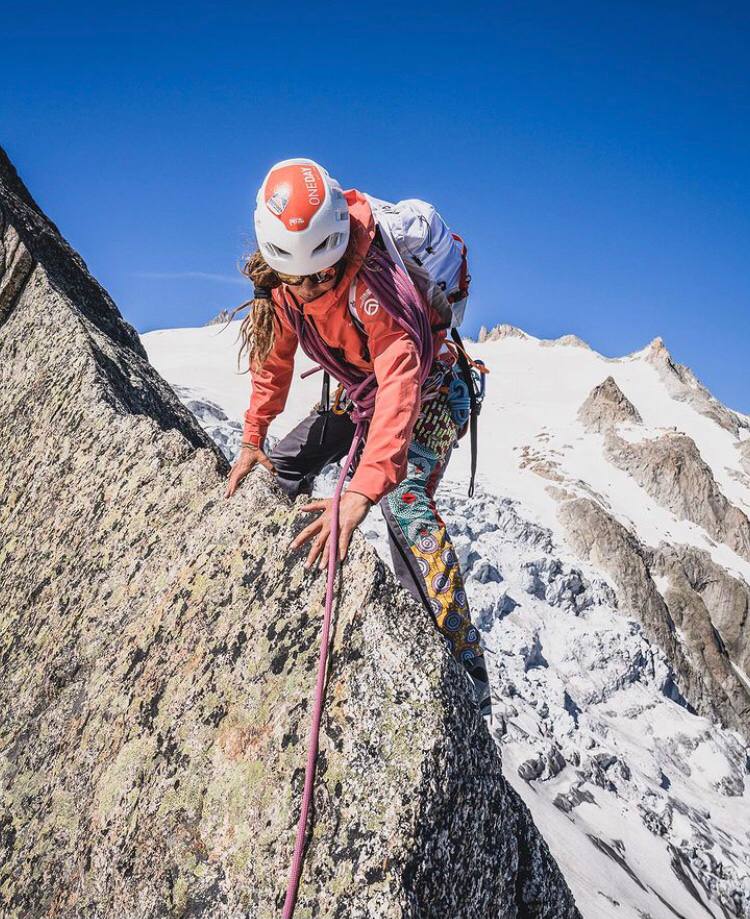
(294, 193)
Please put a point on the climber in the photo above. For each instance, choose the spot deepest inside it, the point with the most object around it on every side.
(309, 286)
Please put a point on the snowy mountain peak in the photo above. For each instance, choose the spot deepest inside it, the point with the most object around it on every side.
(567, 341)
(501, 331)
(504, 330)
(655, 352)
(657, 348)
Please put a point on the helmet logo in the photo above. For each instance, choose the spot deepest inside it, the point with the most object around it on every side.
(279, 199)
(311, 183)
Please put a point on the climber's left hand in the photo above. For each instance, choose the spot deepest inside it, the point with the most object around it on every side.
(352, 511)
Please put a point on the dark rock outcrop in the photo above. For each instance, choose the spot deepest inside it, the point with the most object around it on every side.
(606, 406)
(672, 471)
(705, 677)
(158, 648)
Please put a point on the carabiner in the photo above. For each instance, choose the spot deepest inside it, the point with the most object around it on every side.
(479, 372)
(339, 406)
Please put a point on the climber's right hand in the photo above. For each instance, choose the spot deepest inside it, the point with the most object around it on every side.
(248, 457)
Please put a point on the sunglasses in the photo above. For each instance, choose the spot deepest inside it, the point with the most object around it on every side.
(319, 277)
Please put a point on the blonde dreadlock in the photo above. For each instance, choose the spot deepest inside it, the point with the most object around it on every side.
(257, 331)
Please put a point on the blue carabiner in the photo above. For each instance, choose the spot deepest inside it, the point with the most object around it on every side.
(458, 400)
(479, 379)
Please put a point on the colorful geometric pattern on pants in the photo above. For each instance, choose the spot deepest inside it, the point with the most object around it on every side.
(411, 507)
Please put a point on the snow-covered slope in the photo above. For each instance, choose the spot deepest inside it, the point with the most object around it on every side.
(607, 566)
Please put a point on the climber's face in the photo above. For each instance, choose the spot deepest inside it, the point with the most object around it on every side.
(309, 286)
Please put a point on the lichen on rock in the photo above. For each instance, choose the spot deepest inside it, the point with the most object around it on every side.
(158, 649)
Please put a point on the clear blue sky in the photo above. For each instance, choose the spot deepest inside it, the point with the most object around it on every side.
(595, 155)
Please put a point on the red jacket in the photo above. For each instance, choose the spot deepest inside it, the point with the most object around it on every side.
(392, 356)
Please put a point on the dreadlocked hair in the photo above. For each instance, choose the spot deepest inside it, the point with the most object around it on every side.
(257, 331)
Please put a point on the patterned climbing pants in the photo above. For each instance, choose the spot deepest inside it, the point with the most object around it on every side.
(423, 557)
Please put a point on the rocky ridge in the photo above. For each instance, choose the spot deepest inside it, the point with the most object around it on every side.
(498, 332)
(505, 330)
(704, 678)
(670, 469)
(573, 662)
(684, 386)
(158, 648)
(680, 614)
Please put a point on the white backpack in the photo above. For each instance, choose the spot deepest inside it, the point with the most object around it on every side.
(419, 240)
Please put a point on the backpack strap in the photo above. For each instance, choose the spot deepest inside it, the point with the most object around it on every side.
(325, 396)
(473, 405)
(464, 278)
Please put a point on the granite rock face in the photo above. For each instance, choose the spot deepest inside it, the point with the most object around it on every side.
(713, 609)
(500, 331)
(158, 650)
(697, 601)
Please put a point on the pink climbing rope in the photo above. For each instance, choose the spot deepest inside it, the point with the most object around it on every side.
(312, 749)
(399, 297)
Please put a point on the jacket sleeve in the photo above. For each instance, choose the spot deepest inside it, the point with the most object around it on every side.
(397, 403)
(271, 383)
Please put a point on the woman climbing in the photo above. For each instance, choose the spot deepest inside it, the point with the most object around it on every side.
(320, 255)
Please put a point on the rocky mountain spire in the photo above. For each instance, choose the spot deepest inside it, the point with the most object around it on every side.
(158, 647)
(606, 406)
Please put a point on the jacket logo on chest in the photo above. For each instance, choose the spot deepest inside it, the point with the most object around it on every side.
(370, 306)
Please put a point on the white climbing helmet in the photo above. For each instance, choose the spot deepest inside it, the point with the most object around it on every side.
(301, 218)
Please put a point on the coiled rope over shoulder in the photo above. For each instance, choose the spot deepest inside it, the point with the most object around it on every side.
(398, 296)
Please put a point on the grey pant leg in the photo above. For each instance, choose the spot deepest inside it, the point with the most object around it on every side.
(319, 439)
